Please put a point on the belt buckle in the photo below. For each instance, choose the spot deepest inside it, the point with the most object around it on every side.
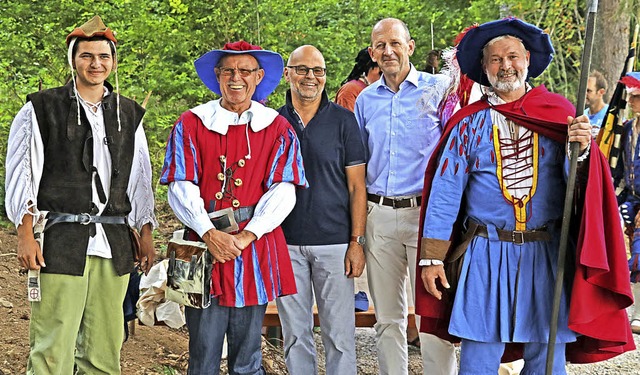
(393, 202)
(228, 212)
(517, 237)
(84, 218)
(413, 202)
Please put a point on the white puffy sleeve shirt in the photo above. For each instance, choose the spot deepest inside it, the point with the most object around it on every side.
(24, 166)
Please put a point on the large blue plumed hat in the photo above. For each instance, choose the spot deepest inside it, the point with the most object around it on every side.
(270, 61)
(536, 41)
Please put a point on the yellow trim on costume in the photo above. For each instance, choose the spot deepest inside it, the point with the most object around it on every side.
(520, 213)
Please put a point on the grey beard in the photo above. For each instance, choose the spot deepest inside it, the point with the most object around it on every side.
(508, 86)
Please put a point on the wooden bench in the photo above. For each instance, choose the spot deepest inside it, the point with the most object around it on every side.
(363, 318)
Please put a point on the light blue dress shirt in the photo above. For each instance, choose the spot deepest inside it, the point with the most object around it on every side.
(400, 131)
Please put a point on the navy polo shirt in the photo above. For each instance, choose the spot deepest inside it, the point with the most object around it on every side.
(330, 142)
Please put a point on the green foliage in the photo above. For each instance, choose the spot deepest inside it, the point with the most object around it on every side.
(160, 39)
(167, 370)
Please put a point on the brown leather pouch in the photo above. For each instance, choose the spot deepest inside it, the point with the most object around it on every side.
(453, 262)
(135, 243)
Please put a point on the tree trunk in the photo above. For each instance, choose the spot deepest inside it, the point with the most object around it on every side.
(611, 42)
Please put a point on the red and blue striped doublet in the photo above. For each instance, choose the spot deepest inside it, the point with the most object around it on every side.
(263, 271)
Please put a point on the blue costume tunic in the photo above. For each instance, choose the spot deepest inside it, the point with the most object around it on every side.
(631, 163)
(505, 290)
(630, 196)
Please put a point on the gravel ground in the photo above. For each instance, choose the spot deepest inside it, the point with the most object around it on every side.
(366, 354)
(626, 364)
(368, 358)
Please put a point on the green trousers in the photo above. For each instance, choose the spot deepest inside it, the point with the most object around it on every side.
(79, 321)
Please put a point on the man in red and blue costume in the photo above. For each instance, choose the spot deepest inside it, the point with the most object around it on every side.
(498, 180)
(232, 166)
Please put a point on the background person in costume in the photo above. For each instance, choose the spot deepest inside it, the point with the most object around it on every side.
(325, 230)
(78, 154)
(234, 157)
(630, 194)
(364, 73)
(398, 119)
(498, 182)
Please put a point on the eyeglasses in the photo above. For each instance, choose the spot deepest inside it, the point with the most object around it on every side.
(228, 72)
(302, 70)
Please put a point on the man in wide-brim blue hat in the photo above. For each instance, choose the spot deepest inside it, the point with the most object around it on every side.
(537, 43)
(499, 182)
(269, 62)
(232, 165)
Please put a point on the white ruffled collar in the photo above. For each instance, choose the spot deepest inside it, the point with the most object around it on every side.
(218, 119)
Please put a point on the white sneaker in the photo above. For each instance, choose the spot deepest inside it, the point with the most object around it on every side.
(635, 326)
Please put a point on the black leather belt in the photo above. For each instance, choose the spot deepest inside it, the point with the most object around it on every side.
(241, 214)
(395, 202)
(84, 219)
(518, 237)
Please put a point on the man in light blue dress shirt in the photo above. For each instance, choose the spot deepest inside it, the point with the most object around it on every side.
(400, 127)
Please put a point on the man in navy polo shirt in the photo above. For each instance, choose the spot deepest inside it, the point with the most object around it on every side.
(325, 230)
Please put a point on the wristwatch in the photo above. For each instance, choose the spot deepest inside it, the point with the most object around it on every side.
(358, 239)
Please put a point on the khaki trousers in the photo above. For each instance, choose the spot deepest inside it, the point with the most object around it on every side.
(391, 251)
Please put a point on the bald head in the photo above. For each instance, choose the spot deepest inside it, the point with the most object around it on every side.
(306, 51)
(391, 23)
(306, 86)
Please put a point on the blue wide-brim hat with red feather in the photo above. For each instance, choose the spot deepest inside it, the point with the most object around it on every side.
(270, 61)
(535, 40)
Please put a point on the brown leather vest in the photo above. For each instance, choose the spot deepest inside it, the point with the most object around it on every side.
(67, 177)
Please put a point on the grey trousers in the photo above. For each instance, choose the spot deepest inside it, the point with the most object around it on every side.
(319, 269)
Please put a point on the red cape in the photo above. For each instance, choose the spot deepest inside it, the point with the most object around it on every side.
(601, 289)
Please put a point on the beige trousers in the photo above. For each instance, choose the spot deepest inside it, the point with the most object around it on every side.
(391, 251)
